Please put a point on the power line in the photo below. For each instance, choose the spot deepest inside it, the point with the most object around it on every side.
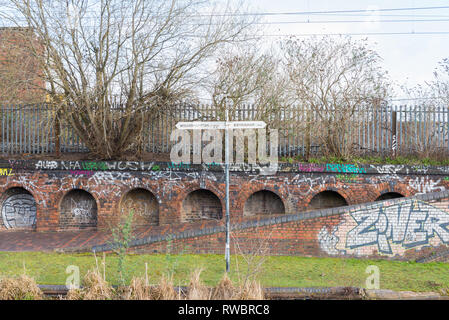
(323, 12)
(356, 34)
(424, 98)
(385, 15)
(351, 21)
(328, 12)
(321, 21)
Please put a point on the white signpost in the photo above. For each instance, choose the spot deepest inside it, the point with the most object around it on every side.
(226, 125)
(216, 125)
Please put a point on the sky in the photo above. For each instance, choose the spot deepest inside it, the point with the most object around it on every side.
(410, 59)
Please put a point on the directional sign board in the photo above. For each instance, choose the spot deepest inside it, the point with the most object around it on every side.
(197, 125)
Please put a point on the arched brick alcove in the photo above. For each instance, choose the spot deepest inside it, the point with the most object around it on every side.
(327, 199)
(389, 195)
(78, 210)
(262, 203)
(18, 209)
(144, 206)
(201, 204)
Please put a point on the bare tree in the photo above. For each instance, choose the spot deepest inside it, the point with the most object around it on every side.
(245, 77)
(438, 90)
(426, 123)
(333, 78)
(144, 55)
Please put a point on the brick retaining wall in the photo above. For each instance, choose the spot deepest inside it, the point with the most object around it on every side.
(165, 189)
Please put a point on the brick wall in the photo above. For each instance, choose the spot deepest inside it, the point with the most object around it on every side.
(173, 200)
(21, 77)
(78, 210)
(406, 229)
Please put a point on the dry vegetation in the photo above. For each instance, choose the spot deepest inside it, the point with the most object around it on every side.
(95, 287)
(19, 288)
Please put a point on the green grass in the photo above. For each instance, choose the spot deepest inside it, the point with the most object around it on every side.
(278, 271)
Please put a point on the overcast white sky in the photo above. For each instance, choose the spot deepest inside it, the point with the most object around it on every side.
(409, 58)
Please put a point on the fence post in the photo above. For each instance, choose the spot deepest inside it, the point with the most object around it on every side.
(308, 122)
(393, 133)
(57, 135)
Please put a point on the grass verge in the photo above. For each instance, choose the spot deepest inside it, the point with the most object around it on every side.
(278, 271)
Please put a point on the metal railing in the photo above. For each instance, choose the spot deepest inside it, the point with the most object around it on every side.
(30, 129)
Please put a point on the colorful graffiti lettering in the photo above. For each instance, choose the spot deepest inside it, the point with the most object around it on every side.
(155, 168)
(310, 168)
(180, 165)
(81, 172)
(94, 166)
(344, 168)
(18, 165)
(6, 172)
(347, 178)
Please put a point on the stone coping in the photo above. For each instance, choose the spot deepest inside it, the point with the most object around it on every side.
(139, 166)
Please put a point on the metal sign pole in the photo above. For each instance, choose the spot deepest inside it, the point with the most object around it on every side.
(224, 125)
(228, 226)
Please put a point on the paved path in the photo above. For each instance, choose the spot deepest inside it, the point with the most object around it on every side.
(50, 241)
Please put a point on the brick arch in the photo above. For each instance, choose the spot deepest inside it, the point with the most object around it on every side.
(150, 189)
(80, 183)
(39, 207)
(279, 208)
(62, 194)
(333, 189)
(330, 187)
(213, 205)
(86, 215)
(173, 205)
(146, 210)
(26, 216)
(245, 193)
(16, 185)
(389, 195)
(403, 189)
(386, 187)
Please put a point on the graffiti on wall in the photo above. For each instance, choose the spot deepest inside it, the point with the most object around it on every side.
(347, 178)
(143, 204)
(19, 165)
(93, 165)
(387, 229)
(344, 168)
(387, 169)
(83, 211)
(19, 211)
(81, 172)
(311, 184)
(78, 209)
(310, 167)
(6, 172)
(46, 165)
(425, 185)
(387, 173)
